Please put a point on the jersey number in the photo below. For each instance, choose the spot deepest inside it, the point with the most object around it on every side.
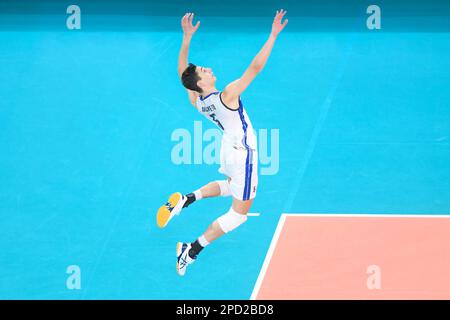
(213, 116)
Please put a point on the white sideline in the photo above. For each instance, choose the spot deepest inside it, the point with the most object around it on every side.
(376, 215)
(253, 214)
(262, 273)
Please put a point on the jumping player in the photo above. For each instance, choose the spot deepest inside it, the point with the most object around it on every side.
(238, 154)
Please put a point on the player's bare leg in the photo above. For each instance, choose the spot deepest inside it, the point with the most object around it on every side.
(210, 190)
(177, 201)
(214, 231)
(215, 189)
(237, 215)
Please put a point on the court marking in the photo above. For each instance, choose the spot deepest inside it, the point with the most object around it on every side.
(381, 215)
(272, 246)
(253, 214)
(282, 220)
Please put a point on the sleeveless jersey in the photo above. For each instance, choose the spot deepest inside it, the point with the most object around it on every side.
(235, 124)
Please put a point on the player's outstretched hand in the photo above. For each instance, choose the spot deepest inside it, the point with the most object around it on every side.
(277, 26)
(186, 23)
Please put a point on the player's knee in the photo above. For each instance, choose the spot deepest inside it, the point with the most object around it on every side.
(224, 188)
(231, 220)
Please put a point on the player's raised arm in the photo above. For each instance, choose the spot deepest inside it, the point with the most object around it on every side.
(235, 88)
(188, 31)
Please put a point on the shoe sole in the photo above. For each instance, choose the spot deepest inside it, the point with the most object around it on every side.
(163, 215)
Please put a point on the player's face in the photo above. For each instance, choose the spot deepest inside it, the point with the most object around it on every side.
(206, 75)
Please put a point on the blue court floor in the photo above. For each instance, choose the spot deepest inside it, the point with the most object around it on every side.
(87, 120)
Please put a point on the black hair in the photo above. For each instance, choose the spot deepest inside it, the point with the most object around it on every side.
(189, 78)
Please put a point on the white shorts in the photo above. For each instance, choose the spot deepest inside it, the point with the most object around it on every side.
(241, 165)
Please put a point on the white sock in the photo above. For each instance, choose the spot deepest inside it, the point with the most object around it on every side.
(198, 194)
(203, 242)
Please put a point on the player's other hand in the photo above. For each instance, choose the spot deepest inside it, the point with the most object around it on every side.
(277, 26)
(186, 23)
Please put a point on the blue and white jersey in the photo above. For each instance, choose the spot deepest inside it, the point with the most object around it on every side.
(235, 124)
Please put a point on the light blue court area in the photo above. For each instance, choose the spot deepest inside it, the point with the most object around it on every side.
(87, 124)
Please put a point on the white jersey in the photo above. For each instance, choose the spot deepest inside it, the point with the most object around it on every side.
(235, 124)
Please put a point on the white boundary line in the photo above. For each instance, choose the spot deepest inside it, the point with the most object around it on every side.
(262, 273)
(253, 214)
(375, 215)
(282, 220)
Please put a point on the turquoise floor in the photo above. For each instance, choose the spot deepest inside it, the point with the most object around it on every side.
(86, 122)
